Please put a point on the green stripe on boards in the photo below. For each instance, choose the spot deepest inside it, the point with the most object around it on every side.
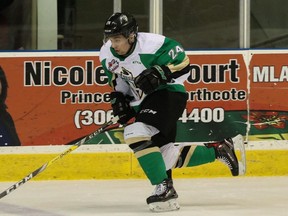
(201, 155)
(154, 167)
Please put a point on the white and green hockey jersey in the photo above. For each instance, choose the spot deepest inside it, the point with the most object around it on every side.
(150, 49)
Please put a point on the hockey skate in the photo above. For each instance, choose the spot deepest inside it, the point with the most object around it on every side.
(164, 198)
(225, 152)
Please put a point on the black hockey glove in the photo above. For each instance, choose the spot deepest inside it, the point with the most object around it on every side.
(150, 79)
(121, 107)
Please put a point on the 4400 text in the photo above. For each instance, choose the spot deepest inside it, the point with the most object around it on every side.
(205, 115)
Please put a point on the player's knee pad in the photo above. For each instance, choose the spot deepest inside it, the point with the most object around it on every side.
(138, 132)
(170, 153)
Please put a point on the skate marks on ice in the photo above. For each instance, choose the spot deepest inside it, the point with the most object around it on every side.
(213, 196)
(76, 198)
(10, 209)
(263, 196)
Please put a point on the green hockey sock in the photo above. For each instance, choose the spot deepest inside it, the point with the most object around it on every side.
(200, 155)
(153, 165)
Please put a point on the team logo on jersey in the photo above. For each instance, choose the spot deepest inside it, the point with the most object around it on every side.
(113, 65)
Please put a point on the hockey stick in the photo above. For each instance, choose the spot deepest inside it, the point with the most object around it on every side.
(47, 164)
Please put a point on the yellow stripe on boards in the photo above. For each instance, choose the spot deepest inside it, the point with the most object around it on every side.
(123, 165)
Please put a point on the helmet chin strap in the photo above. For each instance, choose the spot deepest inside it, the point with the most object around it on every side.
(132, 38)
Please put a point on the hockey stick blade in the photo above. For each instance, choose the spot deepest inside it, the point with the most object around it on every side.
(47, 164)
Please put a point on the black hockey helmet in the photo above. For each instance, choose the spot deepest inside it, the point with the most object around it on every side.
(120, 24)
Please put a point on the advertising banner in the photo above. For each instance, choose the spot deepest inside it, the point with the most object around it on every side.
(55, 98)
(268, 103)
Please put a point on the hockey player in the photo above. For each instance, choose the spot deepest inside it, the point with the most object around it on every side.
(146, 72)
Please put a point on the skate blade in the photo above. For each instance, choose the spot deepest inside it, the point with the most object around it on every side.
(240, 153)
(170, 205)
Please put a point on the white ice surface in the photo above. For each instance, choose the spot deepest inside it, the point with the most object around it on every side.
(235, 196)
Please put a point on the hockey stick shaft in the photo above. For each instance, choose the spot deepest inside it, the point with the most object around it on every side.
(49, 163)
